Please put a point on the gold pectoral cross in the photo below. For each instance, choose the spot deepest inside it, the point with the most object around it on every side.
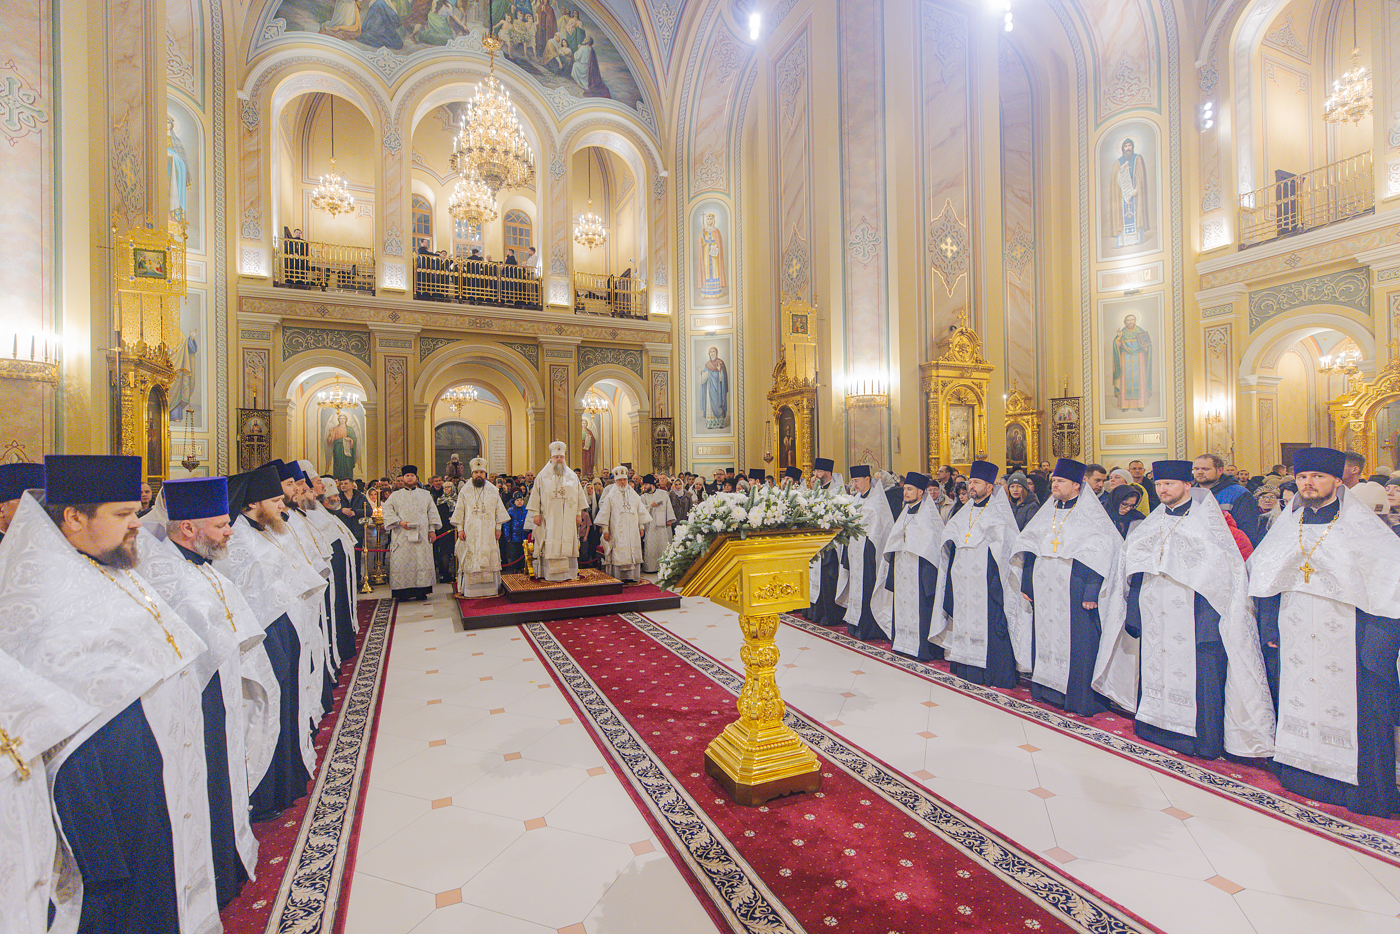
(1307, 570)
(10, 747)
(1055, 544)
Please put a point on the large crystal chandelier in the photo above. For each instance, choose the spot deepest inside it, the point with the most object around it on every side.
(332, 193)
(490, 139)
(459, 397)
(589, 231)
(1350, 99)
(471, 201)
(337, 397)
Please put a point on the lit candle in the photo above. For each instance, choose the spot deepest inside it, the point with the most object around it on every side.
(31, 347)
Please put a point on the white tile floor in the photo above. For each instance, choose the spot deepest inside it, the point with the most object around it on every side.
(490, 809)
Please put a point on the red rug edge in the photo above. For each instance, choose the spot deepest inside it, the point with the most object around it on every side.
(1299, 801)
(677, 860)
(690, 876)
(342, 909)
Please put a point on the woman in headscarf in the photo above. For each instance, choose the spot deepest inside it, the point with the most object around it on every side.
(1024, 502)
(1122, 507)
(1392, 496)
(1120, 477)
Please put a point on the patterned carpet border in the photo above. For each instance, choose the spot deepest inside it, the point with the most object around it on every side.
(1365, 839)
(734, 891)
(316, 885)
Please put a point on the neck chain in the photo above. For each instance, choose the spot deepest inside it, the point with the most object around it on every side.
(1306, 567)
(971, 521)
(213, 579)
(293, 533)
(1162, 540)
(1055, 542)
(144, 601)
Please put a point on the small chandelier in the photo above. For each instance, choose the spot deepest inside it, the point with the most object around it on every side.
(589, 231)
(490, 138)
(594, 404)
(337, 397)
(1350, 99)
(459, 397)
(471, 200)
(332, 193)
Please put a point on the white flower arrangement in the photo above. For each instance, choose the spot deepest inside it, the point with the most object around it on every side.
(762, 508)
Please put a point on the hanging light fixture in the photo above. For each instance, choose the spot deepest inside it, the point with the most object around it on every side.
(489, 137)
(589, 232)
(459, 397)
(1350, 99)
(471, 200)
(337, 397)
(332, 193)
(594, 404)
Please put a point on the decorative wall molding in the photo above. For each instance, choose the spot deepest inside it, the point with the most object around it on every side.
(296, 339)
(554, 353)
(589, 357)
(1218, 311)
(530, 352)
(1350, 288)
(427, 346)
(947, 246)
(247, 335)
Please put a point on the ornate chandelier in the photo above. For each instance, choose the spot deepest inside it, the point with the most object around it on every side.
(332, 193)
(471, 200)
(459, 397)
(489, 138)
(594, 404)
(1350, 99)
(337, 397)
(589, 231)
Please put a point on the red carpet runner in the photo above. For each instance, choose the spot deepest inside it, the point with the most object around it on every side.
(306, 857)
(1247, 782)
(871, 853)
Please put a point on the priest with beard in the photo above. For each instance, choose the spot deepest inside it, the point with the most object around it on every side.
(982, 624)
(344, 597)
(413, 519)
(660, 516)
(129, 788)
(478, 519)
(911, 559)
(1201, 689)
(623, 520)
(1325, 584)
(14, 480)
(286, 600)
(826, 567)
(555, 516)
(185, 530)
(867, 615)
(1068, 560)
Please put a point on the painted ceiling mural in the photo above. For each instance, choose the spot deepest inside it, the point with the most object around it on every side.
(555, 42)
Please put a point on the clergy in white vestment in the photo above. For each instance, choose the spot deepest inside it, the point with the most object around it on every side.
(128, 789)
(478, 519)
(35, 716)
(345, 600)
(912, 570)
(622, 519)
(825, 571)
(1067, 558)
(553, 516)
(661, 515)
(867, 616)
(286, 598)
(412, 518)
(983, 624)
(15, 479)
(1201, 688)
(1324, 578)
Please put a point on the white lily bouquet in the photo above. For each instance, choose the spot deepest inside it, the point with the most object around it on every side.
(762, 508)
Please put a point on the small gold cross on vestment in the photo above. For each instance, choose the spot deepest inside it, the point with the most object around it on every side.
(1307, 570)
(10, 746)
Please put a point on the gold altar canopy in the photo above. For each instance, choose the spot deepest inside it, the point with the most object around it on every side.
(758, 757)
(1366, 418)
(955, 389)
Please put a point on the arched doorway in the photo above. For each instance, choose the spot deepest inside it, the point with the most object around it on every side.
(610, 431)
(327, 422)
(454, 438)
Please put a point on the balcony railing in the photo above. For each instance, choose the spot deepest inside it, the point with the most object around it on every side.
(1295, 203)
(474, 282)
(310, 264)
(610, 296)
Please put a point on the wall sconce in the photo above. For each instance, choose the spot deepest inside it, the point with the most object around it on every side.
(1215, 412)
(867, 393)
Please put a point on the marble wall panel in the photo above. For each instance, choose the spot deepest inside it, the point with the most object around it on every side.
(1124, 55)
(1019, 231)
(715, 95)
(792, 131)
(945, 134)
(396, 413)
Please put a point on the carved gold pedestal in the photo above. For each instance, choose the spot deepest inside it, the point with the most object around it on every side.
(757, 757)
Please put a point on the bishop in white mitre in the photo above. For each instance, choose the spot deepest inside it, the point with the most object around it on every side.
(982, 622)
(623, 520)
(867, 616)
(129, 787)
(553, 516)
(661, 515)
(412, 518)
(1067, 559)
(1325, 583)
(912, 569)
(478, 519)
(1201, 687)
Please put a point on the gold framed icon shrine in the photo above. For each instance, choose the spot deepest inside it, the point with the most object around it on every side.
(955, 387)
(1022, 428)
(1366, 419)
(794, 393)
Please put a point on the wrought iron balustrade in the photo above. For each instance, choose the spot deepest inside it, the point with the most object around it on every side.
(1295, 203)
(610, 296)
(329, 267)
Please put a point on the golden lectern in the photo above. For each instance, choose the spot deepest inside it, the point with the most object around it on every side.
(758, 757)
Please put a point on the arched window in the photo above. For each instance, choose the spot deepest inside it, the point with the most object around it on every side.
(517, 230)
(422, 221)
(466, 237)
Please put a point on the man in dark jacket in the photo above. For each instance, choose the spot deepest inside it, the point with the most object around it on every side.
(1209, 471)
(353, 507)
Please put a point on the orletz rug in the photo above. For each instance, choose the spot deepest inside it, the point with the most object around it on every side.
(872, 853)
(306, 856)
(1250, 783)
